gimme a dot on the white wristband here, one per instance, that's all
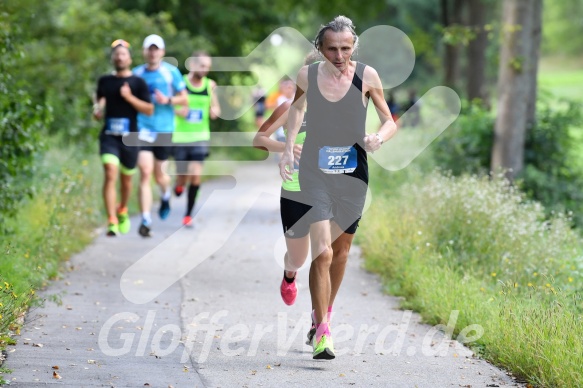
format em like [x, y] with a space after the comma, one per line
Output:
[379, 137]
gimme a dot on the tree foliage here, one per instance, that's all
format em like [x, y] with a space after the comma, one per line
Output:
[563, 28]
[21, 123]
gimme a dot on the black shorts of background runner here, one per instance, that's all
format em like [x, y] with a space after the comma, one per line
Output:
[189, 152]
[292, 211]
[127, 155]
[161, 148]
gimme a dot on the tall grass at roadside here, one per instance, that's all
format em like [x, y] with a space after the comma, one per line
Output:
[47, 230]
[478, 246]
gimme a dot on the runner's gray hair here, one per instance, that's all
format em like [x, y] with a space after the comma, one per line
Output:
[339, 24]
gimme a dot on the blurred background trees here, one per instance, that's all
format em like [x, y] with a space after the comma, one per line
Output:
[53, 52]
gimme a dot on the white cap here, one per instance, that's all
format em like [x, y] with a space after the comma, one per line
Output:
[153, 40]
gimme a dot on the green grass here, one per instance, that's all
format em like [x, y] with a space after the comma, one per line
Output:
[479, 247]
[48, 229]
[563, 83]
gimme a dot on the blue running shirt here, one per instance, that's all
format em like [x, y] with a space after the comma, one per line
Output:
[168, 80]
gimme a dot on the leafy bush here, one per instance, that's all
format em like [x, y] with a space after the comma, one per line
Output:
[465, 147]
[21, 125]
[552, 174]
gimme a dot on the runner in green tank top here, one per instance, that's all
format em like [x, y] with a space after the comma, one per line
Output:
[192, 133]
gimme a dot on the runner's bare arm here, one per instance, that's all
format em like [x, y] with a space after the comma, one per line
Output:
[98, 108]
[215, 106]
[180, 98]
[294, 123]
[296, 111]
[373, 86]
[277, 119]
[141, 106]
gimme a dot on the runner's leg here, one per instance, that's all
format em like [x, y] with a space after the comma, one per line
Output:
[341, 247]
[195, 169]
[109, 190]
[320, 284]
[146, 166]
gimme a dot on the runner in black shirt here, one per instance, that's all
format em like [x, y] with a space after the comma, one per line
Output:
[120, 97]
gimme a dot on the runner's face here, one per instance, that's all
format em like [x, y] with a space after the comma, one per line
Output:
[202, 66]
[287, 88]
[121, 58]
[153, 55]
[337, 48]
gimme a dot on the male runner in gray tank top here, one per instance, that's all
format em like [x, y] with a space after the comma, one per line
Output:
[333, 167]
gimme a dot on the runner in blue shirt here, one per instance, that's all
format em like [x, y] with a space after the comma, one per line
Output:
[167, 88]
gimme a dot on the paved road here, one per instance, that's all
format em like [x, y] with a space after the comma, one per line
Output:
[201, 308]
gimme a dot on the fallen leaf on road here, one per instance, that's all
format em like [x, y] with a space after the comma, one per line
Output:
[278, 364]
[69, 307]
[91, 361]
[38, 345]
[268, 367]
[253, 372]
[342, 375]
[56, 367]
[56, 375]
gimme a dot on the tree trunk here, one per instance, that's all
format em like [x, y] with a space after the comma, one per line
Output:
[451, 59]
[536, 31]
[518, 58]
[476, 71]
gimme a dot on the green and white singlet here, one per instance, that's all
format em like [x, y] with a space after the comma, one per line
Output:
[196, 126]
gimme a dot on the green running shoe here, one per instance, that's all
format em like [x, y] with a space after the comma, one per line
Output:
[112, 230]
[124, 222]
[324, 349]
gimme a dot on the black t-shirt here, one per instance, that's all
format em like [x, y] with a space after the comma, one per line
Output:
[116, 107]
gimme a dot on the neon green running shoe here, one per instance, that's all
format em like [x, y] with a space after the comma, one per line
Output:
[112, 230]
[124, 222]
[324, 349]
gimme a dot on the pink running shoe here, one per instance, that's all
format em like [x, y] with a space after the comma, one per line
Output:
[289, 291]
